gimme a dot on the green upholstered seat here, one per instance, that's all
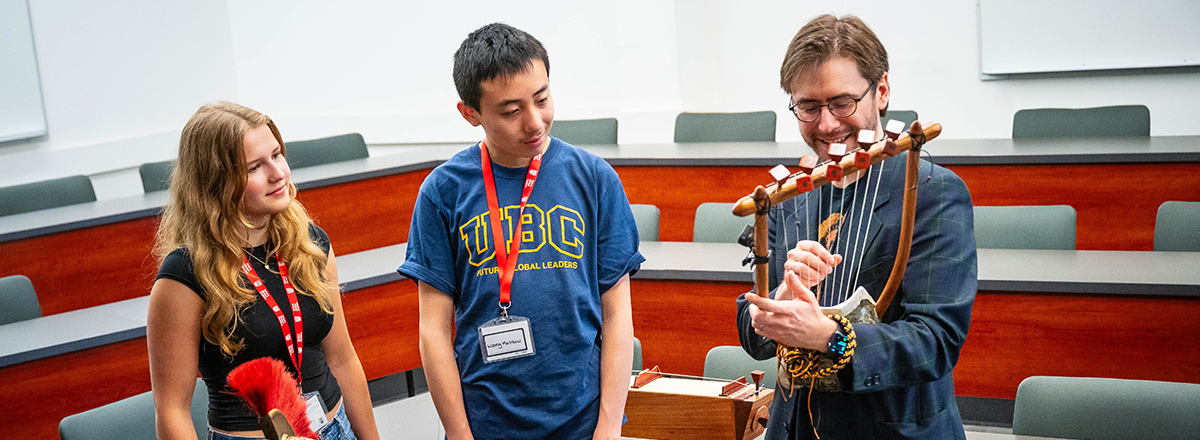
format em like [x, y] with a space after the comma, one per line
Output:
[637, 354]
[725, 127]
[715, 223]
[1120, 120]
[905, 116]
[46, 194]
[646, 217]
[1025, 227]
[322, 151]
[130, 419]
[156, 176]
[586, 131]
[731, 362]
[18, 300]
[1177, 227]
[1104, 409]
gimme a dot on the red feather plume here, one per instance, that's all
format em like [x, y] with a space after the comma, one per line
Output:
[266, 384]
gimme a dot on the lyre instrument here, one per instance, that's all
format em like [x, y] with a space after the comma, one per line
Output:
[860, 307]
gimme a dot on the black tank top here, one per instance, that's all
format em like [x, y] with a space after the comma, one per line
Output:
[260, 335]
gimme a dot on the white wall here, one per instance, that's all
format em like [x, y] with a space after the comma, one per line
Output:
[116, 71]
[136, 69]
[643, 62]
[384, 69]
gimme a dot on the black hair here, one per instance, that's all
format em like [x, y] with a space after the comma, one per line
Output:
[494, 50]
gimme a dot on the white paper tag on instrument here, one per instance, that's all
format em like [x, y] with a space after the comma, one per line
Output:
[895, 126]
[837, 150]
[866, 137]
[780, 172]
[505, 338]
[316, 411]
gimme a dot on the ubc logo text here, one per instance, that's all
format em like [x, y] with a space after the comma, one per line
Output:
[560, 227]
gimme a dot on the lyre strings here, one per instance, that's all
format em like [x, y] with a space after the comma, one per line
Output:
[843, 229]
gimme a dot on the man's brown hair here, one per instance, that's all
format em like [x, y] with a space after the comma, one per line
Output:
[826, 37]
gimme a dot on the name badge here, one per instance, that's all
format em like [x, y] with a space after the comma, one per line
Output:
[505, 338]
[316, 411]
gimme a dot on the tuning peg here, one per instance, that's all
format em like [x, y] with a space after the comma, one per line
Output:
[866, 137]
[894, 128]
[757, 375]
[833, 170]
[807, 163]
[837, 152]
[803, 183]
[780, 172]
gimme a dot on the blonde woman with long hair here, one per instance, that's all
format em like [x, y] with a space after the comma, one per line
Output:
[233, 218]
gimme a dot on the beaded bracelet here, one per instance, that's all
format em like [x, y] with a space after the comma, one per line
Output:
[802, 363]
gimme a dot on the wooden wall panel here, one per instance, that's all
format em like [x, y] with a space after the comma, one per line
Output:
[366, 214]
[1017, 335]
[36, 395]
[1115, 204]
[677, 191]
[383, 325]
[86, 267]
[679, 321]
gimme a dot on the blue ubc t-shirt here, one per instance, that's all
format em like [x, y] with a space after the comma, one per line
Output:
[578, 240]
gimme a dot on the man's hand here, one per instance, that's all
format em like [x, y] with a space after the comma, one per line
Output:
[792, 322]
[811, 261]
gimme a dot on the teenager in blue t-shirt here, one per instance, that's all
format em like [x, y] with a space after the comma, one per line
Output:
[565, 373]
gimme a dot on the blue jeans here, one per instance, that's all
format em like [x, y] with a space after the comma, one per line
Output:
[337, 429]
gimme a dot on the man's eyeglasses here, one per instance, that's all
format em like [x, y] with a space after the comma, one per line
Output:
[842, 107]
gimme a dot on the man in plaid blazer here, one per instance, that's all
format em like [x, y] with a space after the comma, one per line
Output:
[826, 243]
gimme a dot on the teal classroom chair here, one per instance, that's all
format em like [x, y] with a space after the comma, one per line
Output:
[1104, 409]
[586, 131]
[905, 116]
[46, 194]
[725, 127]
[130, 419]
[1177, 227]
[1025, 227]
[1114, 121]
[310, 153]
[156, 176]
[18, 300]
[646, 218]
[715, 223]
[731, 362]
[637, 354]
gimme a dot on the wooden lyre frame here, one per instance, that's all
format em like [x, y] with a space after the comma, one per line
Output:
[759, 202]
[670, 406]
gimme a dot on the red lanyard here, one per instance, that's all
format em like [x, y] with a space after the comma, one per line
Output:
[296, 350]
[504, 265]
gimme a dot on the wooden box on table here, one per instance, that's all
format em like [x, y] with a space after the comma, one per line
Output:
[694, 408]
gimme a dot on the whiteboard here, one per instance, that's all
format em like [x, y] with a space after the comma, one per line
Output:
[1035, 36]
[22, 114]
